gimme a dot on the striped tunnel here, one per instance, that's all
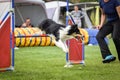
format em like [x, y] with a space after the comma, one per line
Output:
[23, 38]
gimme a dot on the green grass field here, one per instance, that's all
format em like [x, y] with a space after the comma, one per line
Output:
[46, 63]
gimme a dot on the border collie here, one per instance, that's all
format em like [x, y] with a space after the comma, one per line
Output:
[61, 33]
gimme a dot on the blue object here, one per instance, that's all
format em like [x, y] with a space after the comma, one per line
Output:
[109, 57]
[92, 36]
[12, 34]
[67, 9]
[67, 57]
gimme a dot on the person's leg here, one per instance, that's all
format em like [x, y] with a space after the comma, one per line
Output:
[116, 37]
[103, 32]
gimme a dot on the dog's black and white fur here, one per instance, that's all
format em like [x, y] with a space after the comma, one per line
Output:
[60, 32]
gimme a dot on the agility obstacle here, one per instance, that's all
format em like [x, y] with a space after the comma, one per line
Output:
[76, 51]
[76, 46]
[25, 37]
[7, 39]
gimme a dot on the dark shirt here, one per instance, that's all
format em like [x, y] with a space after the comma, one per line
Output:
[109, 9]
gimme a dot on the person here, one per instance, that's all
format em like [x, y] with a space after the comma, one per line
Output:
[77, 15]
[110, 12]
[27, 24]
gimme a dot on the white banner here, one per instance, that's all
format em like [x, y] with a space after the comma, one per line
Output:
[4, 8]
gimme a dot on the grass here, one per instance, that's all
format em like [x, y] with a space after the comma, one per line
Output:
[46, 63]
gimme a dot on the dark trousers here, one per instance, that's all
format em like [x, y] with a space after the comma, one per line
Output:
[109, 27]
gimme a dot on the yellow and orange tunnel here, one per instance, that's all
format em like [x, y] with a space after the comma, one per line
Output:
[29, 40]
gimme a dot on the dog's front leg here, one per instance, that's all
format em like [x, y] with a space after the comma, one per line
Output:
[61, 45]
[65, 46]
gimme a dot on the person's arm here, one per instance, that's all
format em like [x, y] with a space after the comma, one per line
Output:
[118, 11]
[82, 14]
[103, 18]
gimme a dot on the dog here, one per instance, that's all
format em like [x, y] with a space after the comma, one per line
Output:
[60, 32]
